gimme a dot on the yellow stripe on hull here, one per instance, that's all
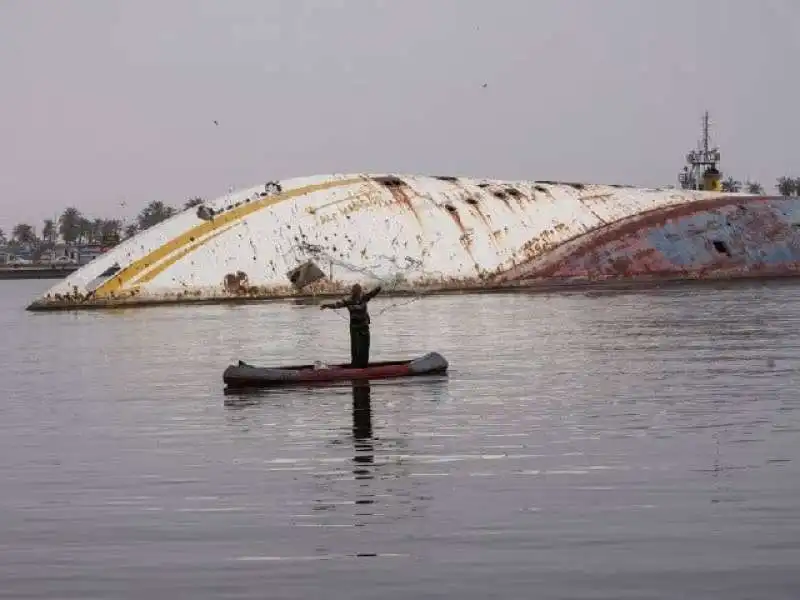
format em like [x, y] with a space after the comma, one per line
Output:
[185, 243]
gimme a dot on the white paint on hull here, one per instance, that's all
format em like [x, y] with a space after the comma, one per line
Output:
[426, 230]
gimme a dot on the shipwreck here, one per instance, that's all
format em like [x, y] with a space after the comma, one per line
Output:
[315, 236]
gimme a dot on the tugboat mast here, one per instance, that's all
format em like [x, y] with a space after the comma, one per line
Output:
[701, 171]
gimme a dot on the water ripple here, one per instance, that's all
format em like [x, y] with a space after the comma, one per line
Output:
[610, 445]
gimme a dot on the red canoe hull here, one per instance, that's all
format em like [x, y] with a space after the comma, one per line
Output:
[246, 376]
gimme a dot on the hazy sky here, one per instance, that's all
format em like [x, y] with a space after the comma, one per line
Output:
[106, 101]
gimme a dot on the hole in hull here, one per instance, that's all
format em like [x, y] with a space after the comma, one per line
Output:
[721, 247]
[389, 181]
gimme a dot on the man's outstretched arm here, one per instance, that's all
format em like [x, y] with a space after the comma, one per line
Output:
[372, 293]
[338, 304]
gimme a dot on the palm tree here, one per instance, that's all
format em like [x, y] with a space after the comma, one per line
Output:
[787, 186]
[154, 213]
[23, 234]
[110, 230]
[49, 231]
[731, 185]
[753, 187]
[69, 225]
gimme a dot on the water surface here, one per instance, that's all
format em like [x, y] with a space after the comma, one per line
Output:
[583, 446]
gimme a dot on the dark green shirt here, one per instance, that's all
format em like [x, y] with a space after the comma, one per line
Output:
[359, 316]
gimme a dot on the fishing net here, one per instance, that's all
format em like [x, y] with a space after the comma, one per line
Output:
[396, 271]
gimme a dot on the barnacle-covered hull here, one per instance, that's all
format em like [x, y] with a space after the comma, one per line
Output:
[316, 236]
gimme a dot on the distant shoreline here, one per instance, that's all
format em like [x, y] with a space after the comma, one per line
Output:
[36, 271]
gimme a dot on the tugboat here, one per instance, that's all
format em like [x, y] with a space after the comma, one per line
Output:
[701, 171]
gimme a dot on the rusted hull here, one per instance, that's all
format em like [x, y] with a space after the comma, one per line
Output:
[314, 238]
[719, 238]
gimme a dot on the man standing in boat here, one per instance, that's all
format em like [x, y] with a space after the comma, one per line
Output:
[356, 304]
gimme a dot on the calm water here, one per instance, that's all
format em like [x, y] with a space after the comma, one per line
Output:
[614, 446]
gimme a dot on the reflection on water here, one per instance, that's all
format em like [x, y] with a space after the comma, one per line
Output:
[637, 445]
[375, 483]
[362, 443]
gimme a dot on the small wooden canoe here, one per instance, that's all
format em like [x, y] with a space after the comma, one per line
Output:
[244, 375]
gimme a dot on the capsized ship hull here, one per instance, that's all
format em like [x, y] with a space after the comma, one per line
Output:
[316, 236]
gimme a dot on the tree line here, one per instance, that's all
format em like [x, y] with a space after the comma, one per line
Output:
[786, 186]
[73, 227]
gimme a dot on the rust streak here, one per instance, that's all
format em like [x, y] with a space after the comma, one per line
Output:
[453, 212]
[596, 198]
[400, 194]
[475, 208]
[504, 199]
[464, 238]
[520, 197]
[653, 218]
